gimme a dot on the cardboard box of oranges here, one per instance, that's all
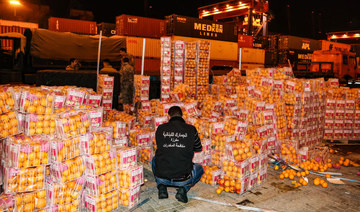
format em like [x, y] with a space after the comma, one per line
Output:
[101, 163]
[36, 101]
[33, 201]
[24, 179]
[9, 124]
[23, 151]
[129, 197]
[104, 202]
[126, 157]
[71, 124]
[64, 194]
[96, 142]
[131, 177]
[68, 170]
[7, 101]
[62, 150]
[102, 184]
[40, 124]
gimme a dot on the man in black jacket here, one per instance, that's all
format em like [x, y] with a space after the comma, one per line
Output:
[172, 164]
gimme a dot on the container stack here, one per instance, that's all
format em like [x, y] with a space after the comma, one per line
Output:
[142, 87]
[202, 71]
[190, 67]
[165, 68]
[178, 63]
[342, 117]
[106, 89]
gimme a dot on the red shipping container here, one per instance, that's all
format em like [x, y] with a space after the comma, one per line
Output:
[245, 41]
[128, 25]
[71, 25]
[13, 27]
[151, 66]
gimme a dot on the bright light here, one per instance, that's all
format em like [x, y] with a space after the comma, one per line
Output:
[357, 35]
[344, 35]
[239, 2]
[15, 2]
[215, 9]
[334, 36]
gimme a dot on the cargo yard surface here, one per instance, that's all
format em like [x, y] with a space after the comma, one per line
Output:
[275, 194]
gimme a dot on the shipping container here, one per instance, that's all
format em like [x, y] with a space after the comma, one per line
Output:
[251, 55]
[13, 26]
[219, 50]
[108, 29]
[71, 25]
[245, 66]
[298, 43]
[245, 41]
[200, 28]
[325, 45]
[151, 66]
[134, 46]
[128, 25]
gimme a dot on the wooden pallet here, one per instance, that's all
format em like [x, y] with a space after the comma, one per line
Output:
[343, 142]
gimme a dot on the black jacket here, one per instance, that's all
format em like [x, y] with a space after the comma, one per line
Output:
[176, 143]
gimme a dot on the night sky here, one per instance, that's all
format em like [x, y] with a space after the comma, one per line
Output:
[309, 18]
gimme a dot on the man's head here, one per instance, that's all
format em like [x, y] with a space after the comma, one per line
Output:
[175, 111]
[126, 60]
[106, 62]
[122, 51]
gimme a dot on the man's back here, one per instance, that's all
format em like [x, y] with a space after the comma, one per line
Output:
[126, 83]
[176, 142]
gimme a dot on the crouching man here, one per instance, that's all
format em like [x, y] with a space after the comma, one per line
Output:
[172, 164]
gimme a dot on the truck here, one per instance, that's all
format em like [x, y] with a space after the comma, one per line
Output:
[341, 63]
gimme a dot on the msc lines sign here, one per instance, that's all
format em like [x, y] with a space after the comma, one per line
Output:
[200, 28]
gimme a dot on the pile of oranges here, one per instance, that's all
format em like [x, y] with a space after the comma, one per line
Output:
[321, 182]
[96, 142]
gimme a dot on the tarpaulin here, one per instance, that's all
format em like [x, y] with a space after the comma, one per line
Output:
[47, 44]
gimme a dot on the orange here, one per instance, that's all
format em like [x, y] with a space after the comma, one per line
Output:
[291, 176]
[324, 184]
[303, 174]
[218, 191]
[304, 183]
[227, 183]
[298, 174]
[286, 175]
[328, 176]
[281, 176]
[316, 181]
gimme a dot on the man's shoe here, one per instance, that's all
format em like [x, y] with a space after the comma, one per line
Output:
[163, 194]
[181, 195]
